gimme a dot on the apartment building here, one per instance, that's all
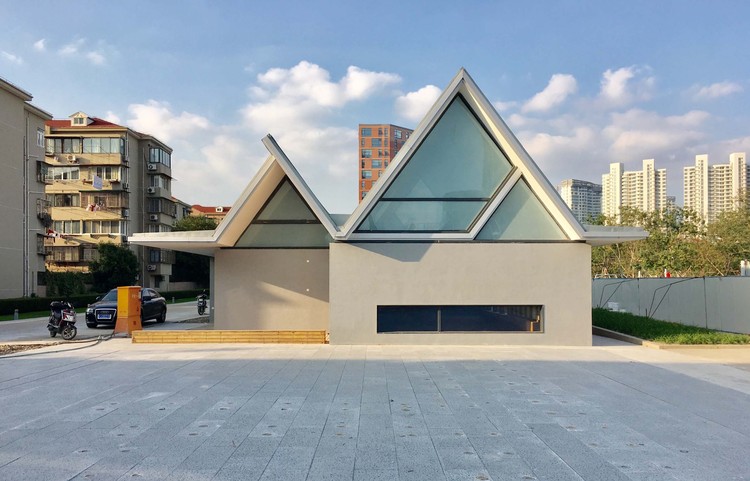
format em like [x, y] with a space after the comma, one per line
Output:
[710, 190]
[645, 189]
[22, 211]
[582, 197]
[105, 182]
[378, 145]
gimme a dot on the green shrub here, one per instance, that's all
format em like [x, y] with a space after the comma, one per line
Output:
[65, 284]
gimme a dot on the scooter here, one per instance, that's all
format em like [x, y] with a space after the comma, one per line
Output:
[202, 303]
[62, 320]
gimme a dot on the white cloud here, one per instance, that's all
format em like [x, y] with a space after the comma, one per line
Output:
[504, 106]
[359, 84]
[11, 57]
[299, 107]
[716, 90]
[641, 133]
[156, 118]
[307, 82]
[97, 58]
[78, 49]
[112, 117]
[544, 144]
[625, 85]
[558, 89]
[39, 45]
[72, 48]
[302, 106]
[414, 105]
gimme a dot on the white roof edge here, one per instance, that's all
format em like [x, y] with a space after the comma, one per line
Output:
[515, 176]
[299, 183]
[561, 213]
[246, 194]
[424, 127]
[488, 116]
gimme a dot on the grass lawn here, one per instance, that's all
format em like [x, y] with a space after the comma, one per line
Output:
[662, 331]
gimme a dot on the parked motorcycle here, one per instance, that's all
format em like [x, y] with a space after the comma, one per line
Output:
[62, 320]
[202, 303]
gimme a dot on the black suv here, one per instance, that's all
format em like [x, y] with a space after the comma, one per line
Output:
[104, 310]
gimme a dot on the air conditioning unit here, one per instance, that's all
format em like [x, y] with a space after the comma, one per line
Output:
[126, 212]
[151, 166]
[72, 158]
[151, 267]
[151, 190]
[153, 217]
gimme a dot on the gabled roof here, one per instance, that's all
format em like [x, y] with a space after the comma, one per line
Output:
[515, 200]
[276, 167]
[210, 209]
[523, 167]
[96, 123]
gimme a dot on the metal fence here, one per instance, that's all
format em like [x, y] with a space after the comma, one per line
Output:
[721, 303]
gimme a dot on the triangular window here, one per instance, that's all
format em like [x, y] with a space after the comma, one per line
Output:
[521, 216]
[285, 221]
[447, 182]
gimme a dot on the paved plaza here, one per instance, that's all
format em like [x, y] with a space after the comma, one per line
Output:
[119, 411]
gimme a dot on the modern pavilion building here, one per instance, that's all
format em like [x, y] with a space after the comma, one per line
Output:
[460, 242]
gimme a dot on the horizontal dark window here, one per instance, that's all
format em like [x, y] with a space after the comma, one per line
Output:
[407, 318]
[459, 318]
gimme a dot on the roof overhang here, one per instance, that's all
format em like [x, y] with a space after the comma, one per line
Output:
[597, 235]
[196, 242]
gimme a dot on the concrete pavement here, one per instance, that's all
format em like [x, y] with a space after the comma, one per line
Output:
[118, 411]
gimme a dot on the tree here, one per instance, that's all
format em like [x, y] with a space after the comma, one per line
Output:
[674, 243]
[730, 240]
[117, 266]
[189, 267]
[195, 222]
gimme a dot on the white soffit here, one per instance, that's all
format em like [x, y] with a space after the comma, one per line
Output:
[524, 166]
[299, 183]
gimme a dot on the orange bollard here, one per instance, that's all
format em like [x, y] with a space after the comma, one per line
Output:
[128, 310]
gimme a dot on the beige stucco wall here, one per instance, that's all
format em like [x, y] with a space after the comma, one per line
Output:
[19, 152]
[12, 131]
[273, 289]
[555, 275]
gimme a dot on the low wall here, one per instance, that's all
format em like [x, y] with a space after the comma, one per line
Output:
[194, 336]
[721, 303]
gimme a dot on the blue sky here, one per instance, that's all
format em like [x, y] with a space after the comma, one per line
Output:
[581, 83]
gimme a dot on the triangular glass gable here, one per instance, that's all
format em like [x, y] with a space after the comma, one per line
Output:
[521, 216]
[448, 180]
[285, 221]
[286, 204]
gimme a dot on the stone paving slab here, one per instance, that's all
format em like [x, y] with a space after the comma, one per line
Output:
[122, 411]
